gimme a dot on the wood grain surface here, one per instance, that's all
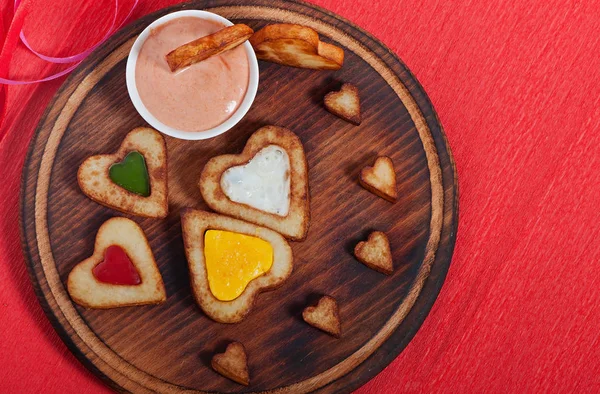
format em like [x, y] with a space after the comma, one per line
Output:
[168, 347]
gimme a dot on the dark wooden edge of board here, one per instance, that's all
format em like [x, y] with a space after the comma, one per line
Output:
[392, 347]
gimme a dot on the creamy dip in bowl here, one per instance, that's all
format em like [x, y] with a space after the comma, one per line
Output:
[200, 101]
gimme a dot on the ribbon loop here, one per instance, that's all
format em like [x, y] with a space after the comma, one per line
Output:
[15, 31]
[17, 26]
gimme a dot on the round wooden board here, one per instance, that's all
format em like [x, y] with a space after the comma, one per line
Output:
[167, 348]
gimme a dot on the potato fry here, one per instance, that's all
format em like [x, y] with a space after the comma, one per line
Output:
[296, 46]
[211, 45]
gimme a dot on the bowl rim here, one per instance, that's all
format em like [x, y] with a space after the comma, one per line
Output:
[134, 95]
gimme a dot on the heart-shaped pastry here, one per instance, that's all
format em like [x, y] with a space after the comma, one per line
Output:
[325, 316]
[120, 272]
[375, 253]
[256, 268]
[344, 103]
[132, 180]
[266, 184]
[233, 364]
[131, 174]
[380, 179]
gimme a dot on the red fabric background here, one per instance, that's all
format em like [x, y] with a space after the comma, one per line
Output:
[517, 87]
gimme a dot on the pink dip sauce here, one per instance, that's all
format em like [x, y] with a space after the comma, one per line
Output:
[198, 97]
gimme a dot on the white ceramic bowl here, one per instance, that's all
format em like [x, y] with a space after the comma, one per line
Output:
[183, 134]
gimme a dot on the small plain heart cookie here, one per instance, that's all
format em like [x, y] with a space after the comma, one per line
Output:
[324, 316]
[120, 272]
[233, 364]
[375, 253]
[344, 103]
[380, 179]
[267, 184]
[132, 180]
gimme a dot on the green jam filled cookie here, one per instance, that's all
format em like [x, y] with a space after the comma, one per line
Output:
[131, 174]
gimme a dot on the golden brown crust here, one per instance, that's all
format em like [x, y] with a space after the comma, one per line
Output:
[344, 103]
[233, 364]
[324, 316]
[194, 224]
[211, 45]
[295, 224]
[375, 253]
[331, 52]
[94, 181]
[296, 46]
[87, 291]
[380, 179]
[287, 31]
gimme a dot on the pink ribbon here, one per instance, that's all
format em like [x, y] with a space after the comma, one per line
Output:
[68, 59]
[15, 31]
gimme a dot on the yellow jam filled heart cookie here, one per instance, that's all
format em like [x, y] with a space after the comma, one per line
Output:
[231, 262]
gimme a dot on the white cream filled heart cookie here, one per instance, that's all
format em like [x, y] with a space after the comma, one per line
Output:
[267, 184]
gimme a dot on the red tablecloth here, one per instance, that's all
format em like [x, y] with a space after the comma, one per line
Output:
[516, 85]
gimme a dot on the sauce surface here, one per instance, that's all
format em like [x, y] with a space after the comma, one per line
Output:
[131, 174]
[198, 97]
[116, 268]
[233, 260]
[263, 183]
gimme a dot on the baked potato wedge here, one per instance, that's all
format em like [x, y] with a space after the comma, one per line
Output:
[211, 45]
[296, 46]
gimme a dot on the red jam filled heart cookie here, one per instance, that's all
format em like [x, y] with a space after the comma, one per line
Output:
[116, 268]
[121, 271]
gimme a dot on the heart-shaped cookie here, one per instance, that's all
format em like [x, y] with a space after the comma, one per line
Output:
[344, 103]
[195, 225]
[233, 364]
[380, 179]
[132, 180]
[375, 253]
[107, 279]
[131, 174]
[325, 316]
[253, 185]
